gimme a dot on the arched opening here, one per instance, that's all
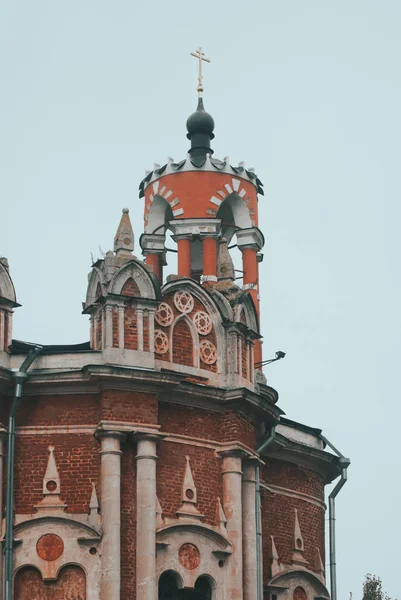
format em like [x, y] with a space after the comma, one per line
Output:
[71, 583]
[234, 215]
[169, 586]
[203, 588]
[299, 594]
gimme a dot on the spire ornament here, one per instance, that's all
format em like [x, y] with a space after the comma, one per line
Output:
[124, 238]
[200, 55]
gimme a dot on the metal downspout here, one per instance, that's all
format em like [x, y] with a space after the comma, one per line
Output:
[258, 510]
[344, 464]
[19, 377]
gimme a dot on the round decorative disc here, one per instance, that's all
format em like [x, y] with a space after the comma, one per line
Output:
[161, 342]
[183, 301]
[50, 547]
[203, 323]
[208, 352]
[164, 314]
[189, 556]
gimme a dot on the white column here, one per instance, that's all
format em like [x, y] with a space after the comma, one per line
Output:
[103, 342]
[139, 317]
[109, 326]
[95, 326]
[146, 588]
[2, 331]
[2, 442]
[121, 315]
[110, 473]
[151, 320]
[232, 504]
[249, 530]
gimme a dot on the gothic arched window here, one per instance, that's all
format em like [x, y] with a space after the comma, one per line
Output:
[299, 593]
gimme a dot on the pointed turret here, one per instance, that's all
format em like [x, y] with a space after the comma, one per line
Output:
[124, 238]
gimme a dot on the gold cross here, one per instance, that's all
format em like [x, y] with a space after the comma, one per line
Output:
[200, 55]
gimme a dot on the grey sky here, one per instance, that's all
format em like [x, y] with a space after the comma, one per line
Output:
[309, 93]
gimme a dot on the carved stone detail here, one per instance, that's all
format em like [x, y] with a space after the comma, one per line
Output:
[202, 322]
[208, 352]
[184, 302]
[164, 314]
[161, 342]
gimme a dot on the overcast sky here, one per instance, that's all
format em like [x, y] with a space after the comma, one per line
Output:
[306, 91]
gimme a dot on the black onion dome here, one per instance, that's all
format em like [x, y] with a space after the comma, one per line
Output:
[200, 127]
[200, 122]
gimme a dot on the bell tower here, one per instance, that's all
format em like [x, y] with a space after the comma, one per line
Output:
[209, 206]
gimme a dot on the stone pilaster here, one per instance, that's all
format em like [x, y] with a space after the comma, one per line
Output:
[110, 473]
[109, 326]
[121, 314]
[139, 316]
[146, 588]
[2, 445]
[232, 505]
[249, 529]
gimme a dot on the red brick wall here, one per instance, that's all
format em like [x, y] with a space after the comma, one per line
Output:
[185, 420]
[182, 344]
[235, 426]
[130, 288]
[229, 426]
[128, 522]
[115, 328]
[77, 459]
[278, 516]
[119, 405]
[130, 328]
[206, 470]
[289, 475]
[77, 409]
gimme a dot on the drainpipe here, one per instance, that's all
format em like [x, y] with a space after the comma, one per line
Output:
[19, 377]
[259, 556]
[344, 463]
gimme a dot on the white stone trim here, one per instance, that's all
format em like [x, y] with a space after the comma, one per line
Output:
[139, 321]
[110, 476]
[146, 586]
[276, 489]
[178, 212]
[215, 201]
[55, 429]
[121, 327]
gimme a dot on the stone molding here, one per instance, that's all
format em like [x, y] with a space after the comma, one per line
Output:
[276, 489]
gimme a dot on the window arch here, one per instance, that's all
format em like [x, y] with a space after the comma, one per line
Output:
[299, 594]
[169, 584]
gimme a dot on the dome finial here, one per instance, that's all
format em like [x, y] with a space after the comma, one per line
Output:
[200, 55]
[200, 124]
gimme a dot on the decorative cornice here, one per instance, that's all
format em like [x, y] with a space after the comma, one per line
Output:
[200, 164]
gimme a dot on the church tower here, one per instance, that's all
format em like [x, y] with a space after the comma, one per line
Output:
[153, 462]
